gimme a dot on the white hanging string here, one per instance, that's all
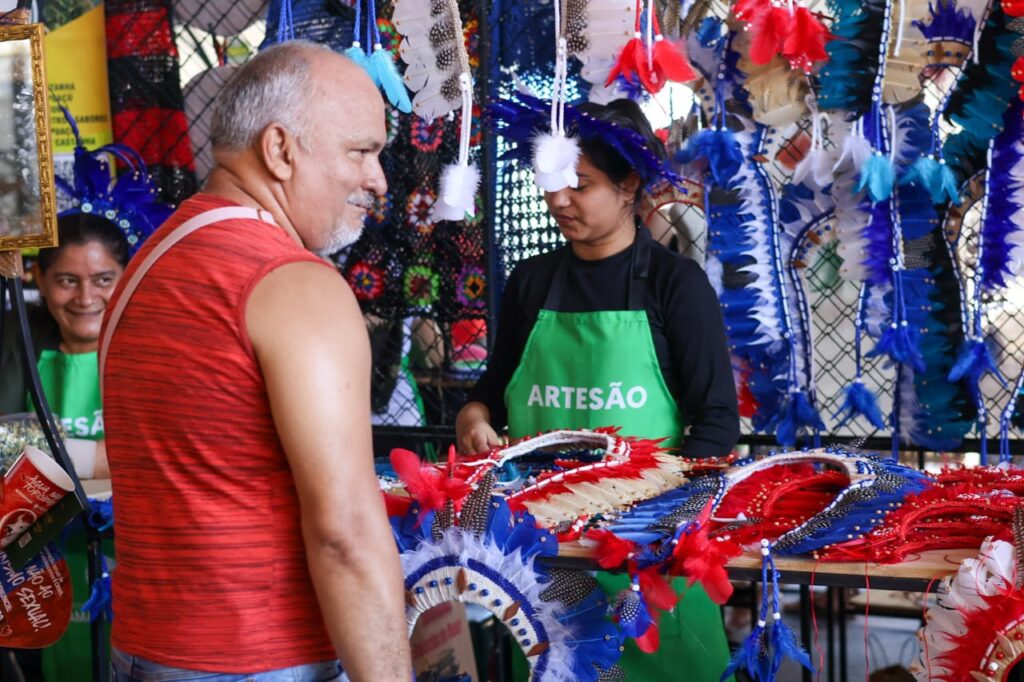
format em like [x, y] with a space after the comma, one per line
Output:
[899, 29]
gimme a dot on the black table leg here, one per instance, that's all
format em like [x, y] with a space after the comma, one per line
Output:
[805, 626]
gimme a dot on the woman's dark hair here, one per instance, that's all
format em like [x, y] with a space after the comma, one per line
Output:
[624, 113]
[82, 228]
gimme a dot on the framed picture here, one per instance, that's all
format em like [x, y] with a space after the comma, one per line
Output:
[27, 204]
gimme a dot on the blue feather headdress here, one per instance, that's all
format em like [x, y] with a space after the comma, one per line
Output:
[983, 93]
[948, 23]
[520, 120]
[130, 201]
[845, 81]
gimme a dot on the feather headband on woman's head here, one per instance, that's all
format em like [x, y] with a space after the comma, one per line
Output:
[521, 119]
[130, 201]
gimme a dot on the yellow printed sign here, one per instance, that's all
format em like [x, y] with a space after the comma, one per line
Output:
[76, 71]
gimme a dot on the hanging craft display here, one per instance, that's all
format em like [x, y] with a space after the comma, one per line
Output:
[368, 51]
[438, 71]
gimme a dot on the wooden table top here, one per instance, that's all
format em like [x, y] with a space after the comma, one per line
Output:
[913, 574]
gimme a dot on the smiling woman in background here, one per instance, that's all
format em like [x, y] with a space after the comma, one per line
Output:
[614, 329]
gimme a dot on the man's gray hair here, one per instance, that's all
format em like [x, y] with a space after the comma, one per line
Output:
[272, 87]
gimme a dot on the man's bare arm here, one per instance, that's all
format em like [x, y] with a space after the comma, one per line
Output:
[312, 346]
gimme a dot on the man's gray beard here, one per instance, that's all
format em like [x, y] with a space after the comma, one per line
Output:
[343, 235]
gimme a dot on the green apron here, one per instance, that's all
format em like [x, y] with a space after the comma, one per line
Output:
[71, 385]
[585, 370]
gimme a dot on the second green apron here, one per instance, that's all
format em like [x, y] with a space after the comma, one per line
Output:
[71, 384]
[586, 370]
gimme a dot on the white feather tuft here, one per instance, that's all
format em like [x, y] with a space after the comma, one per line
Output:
[457, 196]
[555, 158]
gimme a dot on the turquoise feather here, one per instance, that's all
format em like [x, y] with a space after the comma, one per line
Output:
[381, 66]
[877, 177]
[358, 55]
[936, 177]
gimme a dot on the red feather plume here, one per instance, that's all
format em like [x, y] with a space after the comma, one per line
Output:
[610, 550]
[805, 40]
[430, 485]
[668, 63]
[632, 62]
[769, 30]
[656, 589]
[650, 640]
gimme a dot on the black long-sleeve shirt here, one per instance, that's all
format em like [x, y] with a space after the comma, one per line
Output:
[686, 326]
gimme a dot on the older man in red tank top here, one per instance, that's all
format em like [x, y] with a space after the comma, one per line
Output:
[251, 537]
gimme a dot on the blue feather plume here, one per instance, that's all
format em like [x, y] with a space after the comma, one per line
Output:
[1003, 207]
[899, 341]
[973, 362]
[859, 401]
[797, 415]
[878, 177]
[785, 645]
[719, 148]
[633, 614]
[357, 54]
[381, 66]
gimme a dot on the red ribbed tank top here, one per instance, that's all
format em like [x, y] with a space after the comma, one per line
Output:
[211, 571]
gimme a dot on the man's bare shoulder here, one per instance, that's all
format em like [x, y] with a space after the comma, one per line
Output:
[301, 297]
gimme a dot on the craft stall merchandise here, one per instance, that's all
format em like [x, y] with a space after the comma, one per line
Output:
[487, 531]
[855, 173]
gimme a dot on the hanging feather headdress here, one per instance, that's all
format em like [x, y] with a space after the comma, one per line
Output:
[129, 201]
[438, 72]
[595, 31]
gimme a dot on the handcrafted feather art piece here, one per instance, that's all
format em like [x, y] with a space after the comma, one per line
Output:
[595, 33]
[788, 29]
[975, 630]
[859, 29]
[872, 484]
[744, 245]
[982, 95]
[648, 59]
[434, 51]
[778, 93]
[1002, 231]
[130, 201]
[488, 556]
[438, 72]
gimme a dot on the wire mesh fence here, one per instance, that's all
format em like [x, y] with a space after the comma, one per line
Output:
[428, 289]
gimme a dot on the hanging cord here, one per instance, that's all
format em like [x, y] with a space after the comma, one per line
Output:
[1005, 419]
[899, 29]
[357, 25]
[649, 37]
[371, 23]
[285, 23]
[976, 333]
[559, 82]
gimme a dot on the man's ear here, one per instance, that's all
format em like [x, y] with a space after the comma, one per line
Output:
[276, 147]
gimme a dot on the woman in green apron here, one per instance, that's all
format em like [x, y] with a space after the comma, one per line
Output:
[75, 281]
[614, 329]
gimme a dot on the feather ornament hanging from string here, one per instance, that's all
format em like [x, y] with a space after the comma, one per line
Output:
[438, 72]
[789, 29]
[595, 33]
[650, 59]
[379, 64]
[434, 51]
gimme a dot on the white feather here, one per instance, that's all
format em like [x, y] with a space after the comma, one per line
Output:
[426, 73]
[817, 164]
[607, 26]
